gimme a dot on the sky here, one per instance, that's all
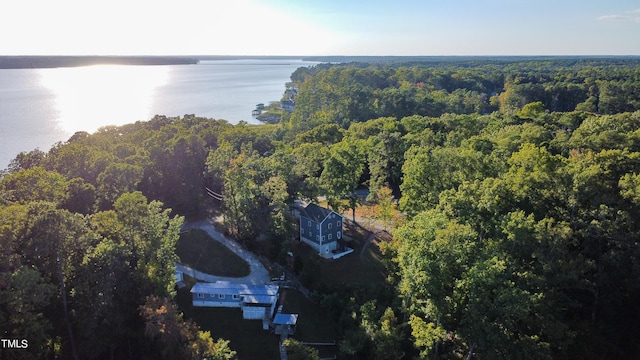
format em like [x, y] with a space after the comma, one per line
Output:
[320, 27]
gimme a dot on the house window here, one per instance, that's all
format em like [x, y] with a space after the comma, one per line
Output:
[330, 236]
[212, 295]
[339, 224]
[318, 226]
[318, 238]
[330, 226]
[236, 297]
[323, 238]
[220, 296]
[309, 222]
[338, 234]
[200, 295]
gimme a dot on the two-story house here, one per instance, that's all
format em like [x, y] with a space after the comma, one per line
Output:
[321, 228]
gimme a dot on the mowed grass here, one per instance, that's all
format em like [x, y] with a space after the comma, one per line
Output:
[358, 269]
[246, 336]
[314, 326]
[199, 251]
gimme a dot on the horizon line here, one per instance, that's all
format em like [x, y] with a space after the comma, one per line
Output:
[310, 55]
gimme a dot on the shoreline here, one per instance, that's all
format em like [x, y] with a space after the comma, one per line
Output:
[44, 62]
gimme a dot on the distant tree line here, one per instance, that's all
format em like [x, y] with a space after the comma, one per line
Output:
[37, 62]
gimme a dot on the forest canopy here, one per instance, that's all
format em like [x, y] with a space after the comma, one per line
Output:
[518, 181]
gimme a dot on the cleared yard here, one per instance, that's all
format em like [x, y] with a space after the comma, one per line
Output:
[360, 268]
[246, 336]
[199, 251]
[314, 326]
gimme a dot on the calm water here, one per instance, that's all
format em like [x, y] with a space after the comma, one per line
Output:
[39, 107]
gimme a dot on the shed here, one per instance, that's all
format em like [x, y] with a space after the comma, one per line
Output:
[285, 324]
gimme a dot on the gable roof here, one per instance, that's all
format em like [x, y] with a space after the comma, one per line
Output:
[316, 213]
[285, 319]
[259, 299]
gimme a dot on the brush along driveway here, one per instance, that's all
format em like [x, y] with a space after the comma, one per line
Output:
[257, 272]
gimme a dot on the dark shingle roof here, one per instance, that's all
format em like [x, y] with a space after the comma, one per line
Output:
[315, 212]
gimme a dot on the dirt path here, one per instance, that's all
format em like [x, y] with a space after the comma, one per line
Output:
[258, 273]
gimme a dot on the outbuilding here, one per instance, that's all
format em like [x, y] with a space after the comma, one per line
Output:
[256, 301]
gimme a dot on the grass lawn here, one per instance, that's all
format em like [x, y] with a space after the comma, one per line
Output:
[313, 324]
[246, 336]
[199, 251]
[358, 269]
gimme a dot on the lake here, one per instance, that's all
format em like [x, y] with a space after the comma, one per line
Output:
[39, 107]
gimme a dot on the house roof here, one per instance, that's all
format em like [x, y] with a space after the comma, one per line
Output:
[285, 319]
[259, 299]
[227, 288]
[316, 213]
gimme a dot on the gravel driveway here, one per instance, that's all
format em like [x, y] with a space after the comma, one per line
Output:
[258, 274]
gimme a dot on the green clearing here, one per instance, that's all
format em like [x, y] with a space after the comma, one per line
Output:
[199, 251]
[358, 269]
[313, 324]
[246, 336]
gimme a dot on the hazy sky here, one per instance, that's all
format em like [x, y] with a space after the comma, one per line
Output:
[322, 27]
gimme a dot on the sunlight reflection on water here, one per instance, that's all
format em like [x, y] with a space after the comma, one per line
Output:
[90, 97]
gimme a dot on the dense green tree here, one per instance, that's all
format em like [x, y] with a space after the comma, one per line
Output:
[326, 134]
[27, 160]
[298, 351]
[115, 180]
[33, 184]
[427, 172]
[455, 284]
[81, 197]
[177, 338]
[23, 300]
[176, 173]
[342, 174]
[78, 159]
[103, 277]
[385, 159]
